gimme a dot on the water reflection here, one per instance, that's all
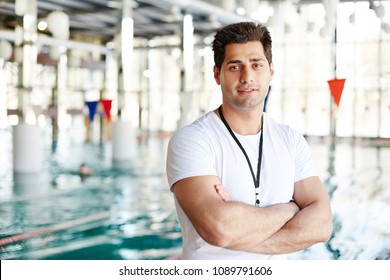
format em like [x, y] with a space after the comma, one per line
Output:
[358, 182]
[30, 183]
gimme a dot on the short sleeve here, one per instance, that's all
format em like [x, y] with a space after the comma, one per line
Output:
[189, 154]
[304, 163]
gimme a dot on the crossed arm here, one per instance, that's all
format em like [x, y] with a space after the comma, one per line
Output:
[277, 229]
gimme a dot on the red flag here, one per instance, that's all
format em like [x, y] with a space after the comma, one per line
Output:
[107, 107]
[336, 89]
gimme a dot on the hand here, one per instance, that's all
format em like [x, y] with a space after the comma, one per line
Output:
[295, 207]
[222, 192]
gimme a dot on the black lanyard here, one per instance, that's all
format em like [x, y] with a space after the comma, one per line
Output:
[256, 179]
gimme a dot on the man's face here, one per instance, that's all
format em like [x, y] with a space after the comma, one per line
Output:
[245, 75]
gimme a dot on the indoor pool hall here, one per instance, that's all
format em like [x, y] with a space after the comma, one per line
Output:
[104, 102]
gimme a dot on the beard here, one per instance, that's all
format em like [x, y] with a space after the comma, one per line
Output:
[248, 102]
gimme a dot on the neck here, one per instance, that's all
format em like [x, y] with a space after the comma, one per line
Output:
[243, 122]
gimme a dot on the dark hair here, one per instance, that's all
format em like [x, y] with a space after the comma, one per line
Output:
[241, 32]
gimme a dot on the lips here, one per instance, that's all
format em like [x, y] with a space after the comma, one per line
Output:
[246, 90]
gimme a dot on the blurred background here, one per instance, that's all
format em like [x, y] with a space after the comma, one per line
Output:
[105, 83]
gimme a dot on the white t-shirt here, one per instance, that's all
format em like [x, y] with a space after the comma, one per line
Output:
[205, 147]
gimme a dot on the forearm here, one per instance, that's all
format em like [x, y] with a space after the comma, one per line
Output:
[247, 227]
[311, 225]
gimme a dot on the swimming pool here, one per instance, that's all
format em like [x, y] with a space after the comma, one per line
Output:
[125, 210]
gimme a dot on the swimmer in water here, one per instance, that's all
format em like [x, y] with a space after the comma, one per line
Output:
[85, 170]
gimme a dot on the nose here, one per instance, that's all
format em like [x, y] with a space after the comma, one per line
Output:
[246, 76]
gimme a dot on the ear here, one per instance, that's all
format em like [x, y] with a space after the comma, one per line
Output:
[216, 75]
[271, 68]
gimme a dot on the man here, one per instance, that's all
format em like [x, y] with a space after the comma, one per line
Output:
[244, 186]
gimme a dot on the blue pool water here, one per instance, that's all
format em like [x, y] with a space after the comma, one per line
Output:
[126, 211]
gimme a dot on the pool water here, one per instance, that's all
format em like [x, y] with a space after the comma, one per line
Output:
[125, 211]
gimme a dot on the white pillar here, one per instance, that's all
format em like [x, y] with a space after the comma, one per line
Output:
[28, 148]
[123, 131]
[188, 108]
[3, 96]
[123, 140]
[27, 139]
[127, 44]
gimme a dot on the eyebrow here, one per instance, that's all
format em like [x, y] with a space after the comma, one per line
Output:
[237, 61]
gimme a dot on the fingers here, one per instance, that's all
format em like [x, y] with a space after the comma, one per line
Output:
[295, 207]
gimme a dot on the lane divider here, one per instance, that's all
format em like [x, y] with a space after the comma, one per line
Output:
[65, 225]
[69, 224]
